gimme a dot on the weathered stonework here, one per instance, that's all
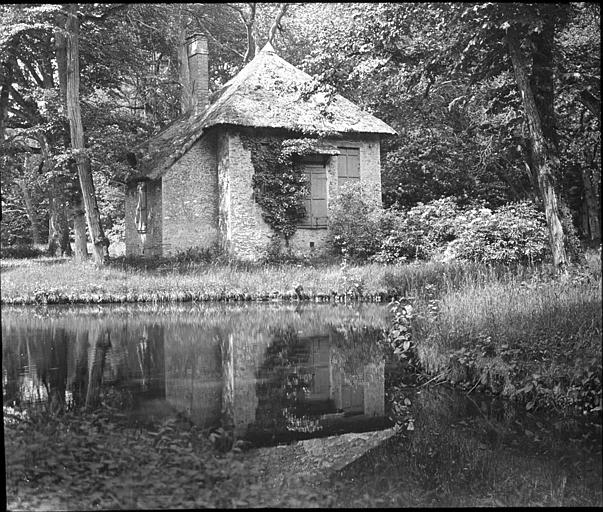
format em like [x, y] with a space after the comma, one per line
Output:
[247, 235]
[207, 197]
[190, 199]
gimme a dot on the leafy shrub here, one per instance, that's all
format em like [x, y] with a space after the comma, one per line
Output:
[419, 232]
[514, 233]
[357, 222]
[20, 252]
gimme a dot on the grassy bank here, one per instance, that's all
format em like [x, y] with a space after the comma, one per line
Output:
[57, 281]
[535, 340]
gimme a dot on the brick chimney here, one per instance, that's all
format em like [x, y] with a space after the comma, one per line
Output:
[199, 70]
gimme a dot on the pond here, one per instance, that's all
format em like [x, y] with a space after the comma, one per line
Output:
[268, 373]
[277, 373]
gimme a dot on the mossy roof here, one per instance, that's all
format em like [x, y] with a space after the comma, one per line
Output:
[267, 93]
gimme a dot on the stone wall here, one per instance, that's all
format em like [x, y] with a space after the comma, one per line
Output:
[144, 244]
[190, 199]
[244, 232]
[207, 197]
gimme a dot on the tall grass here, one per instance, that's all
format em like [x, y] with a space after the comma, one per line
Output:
[509, 334]
[60, 280]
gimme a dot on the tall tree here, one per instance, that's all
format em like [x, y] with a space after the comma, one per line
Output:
[78, 213]
[99, 241]
[544, 159]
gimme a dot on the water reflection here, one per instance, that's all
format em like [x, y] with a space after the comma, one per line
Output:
[266, 372]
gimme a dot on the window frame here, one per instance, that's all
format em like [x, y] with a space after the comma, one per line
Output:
[342, 180]
[141, 216]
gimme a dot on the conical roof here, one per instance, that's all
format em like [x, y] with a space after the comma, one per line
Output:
[267, 93]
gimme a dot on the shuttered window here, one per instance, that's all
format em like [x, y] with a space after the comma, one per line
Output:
[141, 208]
[316, 201]
[348, 166]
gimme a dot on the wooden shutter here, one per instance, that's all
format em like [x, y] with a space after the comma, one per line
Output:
[316, 202]
[348, 165]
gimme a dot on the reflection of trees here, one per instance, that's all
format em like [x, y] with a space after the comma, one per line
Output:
[228, 391]
[71, 365]
[96, 365]
[52, 370]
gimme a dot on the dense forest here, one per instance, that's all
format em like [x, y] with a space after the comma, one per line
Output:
[493, 103]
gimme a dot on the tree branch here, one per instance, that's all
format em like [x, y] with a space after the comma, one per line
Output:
[22, 115]
[22, 103]
[277, 22]
[218, 43]
[592, 103]
[32, 72]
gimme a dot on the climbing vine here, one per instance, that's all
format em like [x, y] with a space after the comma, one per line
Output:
[279, 185]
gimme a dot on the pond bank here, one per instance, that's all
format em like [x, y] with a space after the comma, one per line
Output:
[58, 281]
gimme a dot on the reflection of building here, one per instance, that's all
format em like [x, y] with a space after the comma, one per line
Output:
[272, 370]
[247, 380]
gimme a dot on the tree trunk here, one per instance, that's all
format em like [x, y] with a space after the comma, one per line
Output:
[186, 91]
[544, 164]
[7, 82]
[58, 227]
[101, 342]
[250, 26]
[53, 229]
[99, 242]
[592, 211]
[31, 212]
[592, 201]
[543, 87]
[542, 83]
[78, 212]
[79, 229]
[277, 22]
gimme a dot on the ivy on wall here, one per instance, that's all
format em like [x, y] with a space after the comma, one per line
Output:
[279, 184]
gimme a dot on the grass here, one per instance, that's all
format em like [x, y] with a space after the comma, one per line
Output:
[59, 280]
[535, 339]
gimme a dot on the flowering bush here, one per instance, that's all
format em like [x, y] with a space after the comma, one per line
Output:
[513, 233]
[440, 229]
[419, 232]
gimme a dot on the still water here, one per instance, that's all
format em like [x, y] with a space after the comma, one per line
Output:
[269, 373]
[273, 373]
